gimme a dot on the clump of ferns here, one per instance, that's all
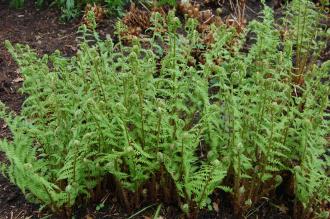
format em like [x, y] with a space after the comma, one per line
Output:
[310, 91]
[301, 26]
[64, 147]
[258, 113]
[165, 129]
[249, 87]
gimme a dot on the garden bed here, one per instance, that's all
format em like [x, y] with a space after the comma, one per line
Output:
[43, 31]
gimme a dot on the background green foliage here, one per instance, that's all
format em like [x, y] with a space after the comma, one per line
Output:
[155, 123]
[72, 8]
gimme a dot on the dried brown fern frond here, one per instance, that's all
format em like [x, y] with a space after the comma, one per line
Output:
[98, 12]
[137, 18]
[205, 17]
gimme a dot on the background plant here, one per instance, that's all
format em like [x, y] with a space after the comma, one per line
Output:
[73, 8]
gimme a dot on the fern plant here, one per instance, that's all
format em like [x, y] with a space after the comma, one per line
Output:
[302, 27]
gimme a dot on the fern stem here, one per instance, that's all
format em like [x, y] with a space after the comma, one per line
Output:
[75, 162]
[269, 147]
[298, 34]
[158, 130]
[100, 132]
[141, 98]
[300, 68]
[209, 177]
[50, 197]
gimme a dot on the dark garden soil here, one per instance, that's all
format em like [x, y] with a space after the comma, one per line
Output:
[43, 31]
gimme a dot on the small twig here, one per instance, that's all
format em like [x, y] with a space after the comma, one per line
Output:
[145, 7]
[250, 9]
[235, 19]
[295, 91]
[251, 212]
[105, 198]
[65, 36]
[208, 19]
[139, 212]
[19, 214]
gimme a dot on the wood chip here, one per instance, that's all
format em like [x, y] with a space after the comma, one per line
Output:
[17, 80]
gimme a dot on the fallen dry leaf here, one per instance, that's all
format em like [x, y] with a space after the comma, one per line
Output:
[282, 208]
[215, 207]
[17, 80]
[88, 217]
